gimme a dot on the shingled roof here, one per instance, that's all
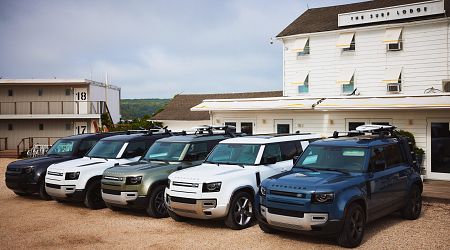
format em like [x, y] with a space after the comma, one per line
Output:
[326, 18]
[179, 108]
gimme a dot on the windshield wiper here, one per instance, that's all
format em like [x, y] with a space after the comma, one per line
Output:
[336, 170]
[307, 168]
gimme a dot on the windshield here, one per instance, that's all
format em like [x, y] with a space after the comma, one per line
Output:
[234, 154]
[106, 149]
[165, 151]
[337, 158]
[62, 147]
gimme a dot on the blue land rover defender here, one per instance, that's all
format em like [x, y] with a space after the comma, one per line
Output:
[339, 184]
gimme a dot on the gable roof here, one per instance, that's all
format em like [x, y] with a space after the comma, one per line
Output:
[326, 18]
[179, 108]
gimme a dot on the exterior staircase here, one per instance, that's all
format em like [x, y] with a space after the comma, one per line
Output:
[9, 154]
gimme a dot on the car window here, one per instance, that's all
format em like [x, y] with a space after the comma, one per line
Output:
[134, 149]
[62, 147]
[376, 157]
[393, 155]
[234, 153]
[197, 152]
[272, 150]
[290, 149]
[85, 146]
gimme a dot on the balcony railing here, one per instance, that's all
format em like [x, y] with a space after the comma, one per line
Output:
[52, 107]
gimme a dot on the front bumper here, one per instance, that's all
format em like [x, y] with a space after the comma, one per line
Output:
[21, 183]
[119, 197]
[196, 208]
[64, 192]
[311, 223]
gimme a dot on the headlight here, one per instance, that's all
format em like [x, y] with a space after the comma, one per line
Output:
[133, 180]
[263, 191]
[322, 197]
[211, 187]
[72, 175]
[28, 170]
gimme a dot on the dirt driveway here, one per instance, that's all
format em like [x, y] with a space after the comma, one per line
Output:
[32, 223]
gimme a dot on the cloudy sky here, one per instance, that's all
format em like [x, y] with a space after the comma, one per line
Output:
[152, 49]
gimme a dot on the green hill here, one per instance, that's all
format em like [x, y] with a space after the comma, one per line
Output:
[136, 108]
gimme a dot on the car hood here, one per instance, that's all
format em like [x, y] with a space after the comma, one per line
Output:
[139, 168]
[208, 172]
[40, 161]
[79, 164]
[305, 179]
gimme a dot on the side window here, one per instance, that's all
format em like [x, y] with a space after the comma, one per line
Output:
[85, 146]
[393, 155]
[134, 149]
[377, 160]
[272, 150]
[289, 149]
[197, 152]
[211, 145]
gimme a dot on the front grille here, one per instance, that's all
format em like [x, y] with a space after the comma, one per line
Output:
[14, 170]
[183, 200]
[109, 191]
[290, 194]
[184, 184]
[52, 185]
[54, 173]
[285, 212]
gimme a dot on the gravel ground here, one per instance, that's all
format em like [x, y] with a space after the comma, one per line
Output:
[33, 223]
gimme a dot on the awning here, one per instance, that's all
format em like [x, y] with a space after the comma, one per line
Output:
[392, 75]
[345, 76]
[388, 102]
[345, 40]
[300, 44]
[392, 35]
[300, 78]
[256, 104]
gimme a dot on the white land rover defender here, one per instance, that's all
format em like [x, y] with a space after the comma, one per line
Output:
[224, 186]
[80, 179]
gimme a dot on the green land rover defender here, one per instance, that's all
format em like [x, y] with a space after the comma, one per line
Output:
[141, 185]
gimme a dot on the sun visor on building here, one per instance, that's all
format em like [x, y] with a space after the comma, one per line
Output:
[345, 76]
[300, 44]
[300, 78]
[392, 75]
[392, 35]
[345, 40]
[386, 102]
[256, 104]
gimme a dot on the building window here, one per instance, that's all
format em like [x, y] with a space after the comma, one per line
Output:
[346, 41]
[348, 88]
[10, 92]
[304, 88]
[10, 127]
[305, 50]
[40, 92]
[68, 126]
[446, 87]
[352, 46]
[41, 126]
[393, 79]
[393, 39]
[67, 91]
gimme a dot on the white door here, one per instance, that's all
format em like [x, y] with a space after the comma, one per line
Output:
[80, 128]
[352, 124]
[438, 149]
[80, 97]
[283, 126]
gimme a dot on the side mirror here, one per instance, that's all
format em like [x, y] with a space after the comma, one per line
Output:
[270, 160]
[294, 160]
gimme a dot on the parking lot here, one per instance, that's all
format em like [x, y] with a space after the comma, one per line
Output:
[27, 222]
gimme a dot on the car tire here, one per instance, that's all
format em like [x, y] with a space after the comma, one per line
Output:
[413, 206]
[112, 207]
[93, 196]
[42, 193]
[240, 214]
[266, 228]
[156, 206]
[353, 229]
[21, 193]
[175, 216]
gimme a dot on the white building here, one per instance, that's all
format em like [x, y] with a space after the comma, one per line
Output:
[43, 110]
[370, 62]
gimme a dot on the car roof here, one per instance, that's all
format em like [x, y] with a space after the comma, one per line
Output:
[355, 141]
[266, 139]
[85, 136]
[134, 137]
[194, 138]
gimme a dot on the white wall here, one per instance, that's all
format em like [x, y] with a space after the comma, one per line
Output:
[424, 58]
[98, 93]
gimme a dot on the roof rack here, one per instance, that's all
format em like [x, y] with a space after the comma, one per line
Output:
[229, 130]
[380, 130]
